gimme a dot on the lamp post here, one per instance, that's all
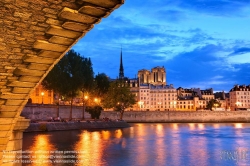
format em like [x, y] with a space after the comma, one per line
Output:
[175, 103]
[237, 105]
[216, 104]
[140, 103]
[84, 103]
[159, 106]
[42, 97]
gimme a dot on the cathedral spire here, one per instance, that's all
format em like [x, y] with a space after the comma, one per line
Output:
[121, 70]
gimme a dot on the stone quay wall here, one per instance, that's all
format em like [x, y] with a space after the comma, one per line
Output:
[58, 126]
[45, 112]
[180, 116]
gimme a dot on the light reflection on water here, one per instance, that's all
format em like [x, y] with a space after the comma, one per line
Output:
[148, 144]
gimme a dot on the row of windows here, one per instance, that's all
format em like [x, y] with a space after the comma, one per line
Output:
[208, 98]
[159, 91]
[244, 89]
[147, 98]
[187, 107]
[162, 103]
[241, 105]
[184, 107]
[241, 101]
[244, 97]
[158, 95]
[190, 102]
[163, 91]
[243, 93]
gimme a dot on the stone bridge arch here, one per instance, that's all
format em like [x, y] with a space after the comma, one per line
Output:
[35, 35]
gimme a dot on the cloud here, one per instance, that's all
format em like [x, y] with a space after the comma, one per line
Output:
[205, 67]
[241, 58]
[170, 15]
[241, 50]
[186, 36]
[216, 7]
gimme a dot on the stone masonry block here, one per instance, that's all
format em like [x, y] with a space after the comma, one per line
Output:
[49, 54]
[21, 84]
[58, 31]
[27, 72]
[51, 16]
[23, 15]
[61, 40]
[37, 66]
[21, 90]
[52, 21]
[12, 96]
[37, 28]
[29, 79]
[22, 3]
[73, 15]
[14, 145]
[49, 10]
[14, 102]
[4, 141]
[43, 45]
[37, 59]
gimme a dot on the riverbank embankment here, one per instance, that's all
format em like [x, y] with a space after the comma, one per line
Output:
[45, 112]
[181, 116]
[87, 125]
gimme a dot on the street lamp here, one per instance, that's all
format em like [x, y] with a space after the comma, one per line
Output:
[42, 96]
[237, 105]
[97, 101]
[216, 105]
[84, 103]
[140, 103]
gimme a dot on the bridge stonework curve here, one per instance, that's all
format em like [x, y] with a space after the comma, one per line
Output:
[35, 35]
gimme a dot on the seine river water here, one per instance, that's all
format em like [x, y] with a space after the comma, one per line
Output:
[143, 144]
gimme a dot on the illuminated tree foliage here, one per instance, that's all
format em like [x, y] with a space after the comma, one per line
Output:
[213, 103]
[119, 97]
[69, 76]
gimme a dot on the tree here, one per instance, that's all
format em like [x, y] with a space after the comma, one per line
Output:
[69, 76]
[101, 84]
[88, 83]
[94, 111]
[213, 103]
[119, 97]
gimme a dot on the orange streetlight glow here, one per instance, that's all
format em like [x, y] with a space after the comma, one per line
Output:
[42, 96]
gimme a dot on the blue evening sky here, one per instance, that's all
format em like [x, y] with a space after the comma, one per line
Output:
[201, 43]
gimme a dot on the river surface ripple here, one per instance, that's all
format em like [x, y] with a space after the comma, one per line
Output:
[143, 144]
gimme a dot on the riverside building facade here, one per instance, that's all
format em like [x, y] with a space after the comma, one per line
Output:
[240, 98]
[193, 99]
[157, 97]
[153, 92]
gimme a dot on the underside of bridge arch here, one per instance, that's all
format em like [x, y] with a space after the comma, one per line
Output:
[35, 35]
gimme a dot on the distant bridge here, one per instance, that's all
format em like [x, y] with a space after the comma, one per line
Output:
[35, 35]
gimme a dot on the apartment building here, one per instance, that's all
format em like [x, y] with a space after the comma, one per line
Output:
[193, 99]
[157, 97]
[240, 97]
